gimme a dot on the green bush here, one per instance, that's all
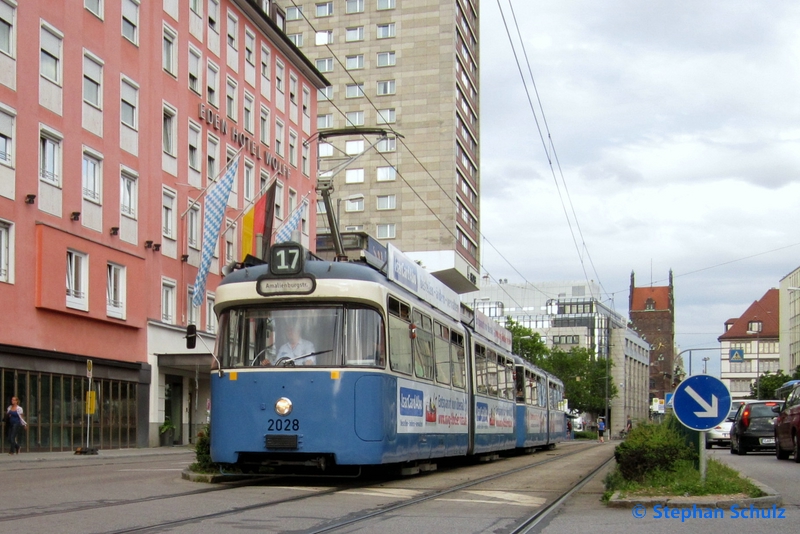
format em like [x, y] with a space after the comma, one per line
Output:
[650, 447]
[202, 451]
[583, 434]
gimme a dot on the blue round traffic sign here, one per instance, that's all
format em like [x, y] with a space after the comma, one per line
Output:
[701, 402]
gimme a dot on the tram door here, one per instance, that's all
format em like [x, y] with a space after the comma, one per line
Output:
[173, 404]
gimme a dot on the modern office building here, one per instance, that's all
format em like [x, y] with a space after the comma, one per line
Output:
[411, 68]
[568, 315]
[114, 118]
[789, 309]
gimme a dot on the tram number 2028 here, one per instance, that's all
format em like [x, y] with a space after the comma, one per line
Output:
[283, 425]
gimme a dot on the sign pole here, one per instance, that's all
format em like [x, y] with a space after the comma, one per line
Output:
[702, 443]
[88, 400]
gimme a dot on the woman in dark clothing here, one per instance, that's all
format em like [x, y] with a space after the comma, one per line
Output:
[15, 424]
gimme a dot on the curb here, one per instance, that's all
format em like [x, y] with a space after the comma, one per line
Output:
[771, 498]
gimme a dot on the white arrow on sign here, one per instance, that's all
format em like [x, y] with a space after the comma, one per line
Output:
[711, 410]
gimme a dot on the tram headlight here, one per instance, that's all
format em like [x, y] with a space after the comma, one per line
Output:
[283, 406]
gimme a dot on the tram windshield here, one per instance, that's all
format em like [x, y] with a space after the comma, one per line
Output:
[293, 337]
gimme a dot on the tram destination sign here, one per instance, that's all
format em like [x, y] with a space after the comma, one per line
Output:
[285, 286]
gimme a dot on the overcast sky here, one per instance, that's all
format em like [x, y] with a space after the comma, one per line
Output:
[677, 129]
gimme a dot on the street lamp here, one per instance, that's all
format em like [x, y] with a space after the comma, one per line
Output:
[755, 328]
[705, 364]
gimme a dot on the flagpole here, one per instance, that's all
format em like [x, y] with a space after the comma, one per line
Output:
[214, 181]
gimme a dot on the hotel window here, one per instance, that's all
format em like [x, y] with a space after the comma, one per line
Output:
[293, 89]
[77, 280]
[296, 39]
[279, 72]
[130, 20]
[194, 5]
[265, 65]
[169, 128]
[115, 290]
[325, 150]
[194, 146]
[354, 176]
[325, 121]
[351, 148]
[50, 66]
[306, 102]
[6, 28]
[192, 311]
[279, 138]
[354, 91]
[264, 125]
[386, 4]
[250, 47]
[354, 6]
[168, 213]
[230, 99]
[279, 201]
[91, 177]
[386, 231]
[354, 204]
[325, 64]
[292, 148]
[354, 34]
[213, 15]
[169, 52]
[168, 301]
[386, 116]
[233, 31]
[355, 118]
[306, 162]
[92, 81]
[129, 102]
[387, 174]
[94, 6]
[211, 318]
[6, 137]
[354, 62]
[386, 87]
[386, 59]
[5, 251]
[249, 181]
[325, 9]
[387, 145]
[387, 202]
[294, 13]
[128, 194]
[386, 31]
[195, 60]
[50, 158]
[248, 120]
[211, 158]
[193, 226]
[326, 93]
[230, 241]
[324, 37]
[213, 84]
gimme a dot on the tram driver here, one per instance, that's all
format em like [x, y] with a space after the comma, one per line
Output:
[300, 350]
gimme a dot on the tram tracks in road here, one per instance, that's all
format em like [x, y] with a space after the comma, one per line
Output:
[418, 497]
[353, 519]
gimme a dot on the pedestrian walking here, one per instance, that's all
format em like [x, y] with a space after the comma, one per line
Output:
[16, 423]
[601, 429]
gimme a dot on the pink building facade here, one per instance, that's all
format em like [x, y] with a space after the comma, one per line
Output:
[114, 118]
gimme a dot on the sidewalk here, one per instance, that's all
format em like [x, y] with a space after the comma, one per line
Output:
[7, 460]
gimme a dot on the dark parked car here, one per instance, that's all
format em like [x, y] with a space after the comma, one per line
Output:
[753, 427]
[787, 427]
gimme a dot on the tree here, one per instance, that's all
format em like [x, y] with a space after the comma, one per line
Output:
[769, 382]
[584, 378]
[526, 343]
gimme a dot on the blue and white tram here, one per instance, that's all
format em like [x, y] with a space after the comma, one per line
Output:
[387, 371]
[540, 421]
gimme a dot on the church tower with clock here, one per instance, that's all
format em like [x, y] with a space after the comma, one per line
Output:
[652, 313]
